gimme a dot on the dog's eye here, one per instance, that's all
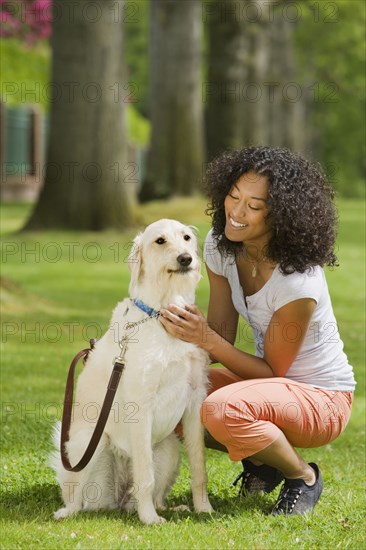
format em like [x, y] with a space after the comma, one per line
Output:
[187, 238]
[160, 240]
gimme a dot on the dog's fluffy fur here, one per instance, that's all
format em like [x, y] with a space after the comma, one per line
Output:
[164, 381]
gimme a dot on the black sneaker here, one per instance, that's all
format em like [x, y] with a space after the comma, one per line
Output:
[296, 497]
[255, 479]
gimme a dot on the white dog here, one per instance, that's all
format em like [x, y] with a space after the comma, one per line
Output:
[164, 381]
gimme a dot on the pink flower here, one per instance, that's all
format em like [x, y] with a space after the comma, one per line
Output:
[29, 20]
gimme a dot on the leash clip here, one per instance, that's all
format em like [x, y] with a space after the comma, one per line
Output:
[123, 346]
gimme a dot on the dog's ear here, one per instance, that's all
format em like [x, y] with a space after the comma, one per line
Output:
[196, 233]
[135, 262]
[194, 229]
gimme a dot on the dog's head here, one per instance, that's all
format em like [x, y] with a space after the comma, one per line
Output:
[166, 253]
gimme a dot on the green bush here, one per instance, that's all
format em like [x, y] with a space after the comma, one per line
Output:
[26, 72]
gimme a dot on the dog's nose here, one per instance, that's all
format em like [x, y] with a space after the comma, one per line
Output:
[184, 259]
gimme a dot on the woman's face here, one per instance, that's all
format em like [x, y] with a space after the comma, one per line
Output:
[246, 209]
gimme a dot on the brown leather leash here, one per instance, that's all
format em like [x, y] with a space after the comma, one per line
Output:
[104, 413]
[117, 371]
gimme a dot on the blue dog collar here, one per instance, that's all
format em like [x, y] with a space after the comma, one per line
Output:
[151, 312]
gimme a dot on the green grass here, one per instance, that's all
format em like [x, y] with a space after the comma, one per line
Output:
[52, 305]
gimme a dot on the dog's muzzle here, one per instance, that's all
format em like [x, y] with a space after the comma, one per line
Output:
[184, 261]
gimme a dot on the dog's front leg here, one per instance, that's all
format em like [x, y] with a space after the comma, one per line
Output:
[143, 468]
[194, 441]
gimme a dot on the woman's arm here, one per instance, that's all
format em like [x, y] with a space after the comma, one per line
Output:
[282, 342]
[191, 326]
[222, 316]
[216, 334]
[286, 333]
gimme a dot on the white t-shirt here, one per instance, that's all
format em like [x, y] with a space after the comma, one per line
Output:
[321, 361]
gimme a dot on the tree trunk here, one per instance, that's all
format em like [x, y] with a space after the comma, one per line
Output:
[252, 94]
[227, 74]
[175, 158]
[85, 186]
[277, 118]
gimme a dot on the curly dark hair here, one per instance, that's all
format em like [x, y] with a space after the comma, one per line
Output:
[300, 201]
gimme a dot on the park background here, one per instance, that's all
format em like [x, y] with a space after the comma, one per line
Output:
[117, 133]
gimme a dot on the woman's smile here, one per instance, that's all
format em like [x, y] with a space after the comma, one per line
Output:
[237, 225]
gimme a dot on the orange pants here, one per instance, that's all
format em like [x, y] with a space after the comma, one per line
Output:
[246, 416]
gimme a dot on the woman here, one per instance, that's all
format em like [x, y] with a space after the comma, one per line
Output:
[273, 231]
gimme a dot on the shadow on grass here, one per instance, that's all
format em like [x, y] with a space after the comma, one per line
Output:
[29, 503]
[40, 501]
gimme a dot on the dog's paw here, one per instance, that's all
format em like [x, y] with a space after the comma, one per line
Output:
[181, 508]
[63, 513]
[151, 519]
[158, 505]
[204, 508]
[129, 506]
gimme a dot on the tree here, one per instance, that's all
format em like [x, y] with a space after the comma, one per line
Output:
[84, 185]
[277, 115]
[336, 97]
[175, 158]
[253, 95]
[226, 74]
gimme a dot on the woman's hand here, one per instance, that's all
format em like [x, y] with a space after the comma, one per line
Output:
[190, 325]
[187, 323]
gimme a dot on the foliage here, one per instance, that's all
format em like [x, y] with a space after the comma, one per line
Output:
[337, 89]
[330, 45]
[334, 91]
[136, 25]
[138, 127]
[25, 72]
[25, 77]
[28, 20]
[47, 298]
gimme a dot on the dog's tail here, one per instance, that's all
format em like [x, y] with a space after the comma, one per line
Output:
[56, 435]
[54, 460]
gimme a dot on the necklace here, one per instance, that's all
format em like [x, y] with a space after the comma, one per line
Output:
[254, 264]
[254, 267]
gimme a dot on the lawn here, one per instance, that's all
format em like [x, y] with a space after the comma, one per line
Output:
[58, 291]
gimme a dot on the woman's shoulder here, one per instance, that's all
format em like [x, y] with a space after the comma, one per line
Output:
[310, 274]
[215, 260]
[294, 286]
[212, 254]
[210, 239]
